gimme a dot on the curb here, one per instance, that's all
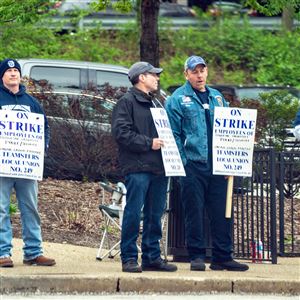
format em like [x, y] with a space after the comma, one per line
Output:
[111, 285]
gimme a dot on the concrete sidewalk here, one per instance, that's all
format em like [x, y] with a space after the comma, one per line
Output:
[78, 271]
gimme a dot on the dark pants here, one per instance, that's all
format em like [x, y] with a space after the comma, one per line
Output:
[147, 191]
[201, 189]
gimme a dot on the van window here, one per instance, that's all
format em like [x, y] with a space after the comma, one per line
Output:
[113, 78]
[59, 78]
[76, 106]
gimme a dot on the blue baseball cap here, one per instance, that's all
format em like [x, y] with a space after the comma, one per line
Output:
[194, 61]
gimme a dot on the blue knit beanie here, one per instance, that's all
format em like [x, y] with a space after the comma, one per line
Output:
[7, 64]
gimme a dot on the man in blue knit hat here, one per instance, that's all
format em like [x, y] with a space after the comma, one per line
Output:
[13, 96]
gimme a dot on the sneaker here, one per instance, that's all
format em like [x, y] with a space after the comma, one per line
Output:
[131, 266]
[6, 262]
[197, 264]
[40, 261]
[231, 265]
[159, 265]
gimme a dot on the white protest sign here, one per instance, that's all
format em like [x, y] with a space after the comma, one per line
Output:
[21, 144]
[170, 154]
[233, 141]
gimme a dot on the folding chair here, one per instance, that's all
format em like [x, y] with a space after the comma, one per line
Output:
[113, 215]
[165, 224]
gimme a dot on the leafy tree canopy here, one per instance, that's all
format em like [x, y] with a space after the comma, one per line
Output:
[121, 5]
[272, 7]
[30, 11]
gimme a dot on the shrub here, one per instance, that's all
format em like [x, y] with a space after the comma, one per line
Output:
[275, 113]
[81, 145]
[246, 55]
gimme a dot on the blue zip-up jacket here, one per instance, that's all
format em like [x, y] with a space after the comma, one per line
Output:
[187, 118]
[22, 101]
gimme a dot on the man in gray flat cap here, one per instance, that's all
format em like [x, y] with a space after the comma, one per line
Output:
[141, 162]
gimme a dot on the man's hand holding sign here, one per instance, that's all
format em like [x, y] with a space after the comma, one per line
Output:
[170, 154]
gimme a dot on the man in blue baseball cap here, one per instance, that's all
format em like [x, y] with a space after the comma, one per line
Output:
[191, 113]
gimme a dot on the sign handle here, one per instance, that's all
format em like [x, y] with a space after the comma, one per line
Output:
[229, 197]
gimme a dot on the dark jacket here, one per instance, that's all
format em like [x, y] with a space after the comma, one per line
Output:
[24, 102]
[133, 129]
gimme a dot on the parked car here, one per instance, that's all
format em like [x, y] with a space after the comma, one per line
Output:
[77, 76]
[81, 146]
[68, 76]
[220, 8]
[236, 93]
[166, 9]
[67, 16]
[78, 98]
[240, 92]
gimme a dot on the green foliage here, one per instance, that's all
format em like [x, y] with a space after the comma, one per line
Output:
[235, 56]
[13, 207]
[120, 5]
[173, 71]
[28, 41]
[278, 63]
[28, 11]
[241, 56]
[272, 7]
[85, 46]
[261, 120]
[279, 109]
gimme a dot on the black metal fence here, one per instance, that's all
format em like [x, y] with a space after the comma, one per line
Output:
[289, 203]
[266, 209]
[254, 210]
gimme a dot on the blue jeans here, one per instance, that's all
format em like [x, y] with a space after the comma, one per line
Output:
[26, 192]
[201, 189]
[145, 192]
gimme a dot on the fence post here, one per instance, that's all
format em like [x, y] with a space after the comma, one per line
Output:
[273, 207]
[281, 203]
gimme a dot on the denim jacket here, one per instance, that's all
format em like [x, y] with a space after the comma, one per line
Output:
[187, 118]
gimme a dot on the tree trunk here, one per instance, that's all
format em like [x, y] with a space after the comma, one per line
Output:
[287, 17]
[149, 41]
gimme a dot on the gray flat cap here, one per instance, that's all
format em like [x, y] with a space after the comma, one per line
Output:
[142, 67]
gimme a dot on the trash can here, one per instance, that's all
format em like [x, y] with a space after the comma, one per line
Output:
[176, 231]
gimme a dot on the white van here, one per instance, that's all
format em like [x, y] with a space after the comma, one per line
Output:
[78, 98]
[74, 76]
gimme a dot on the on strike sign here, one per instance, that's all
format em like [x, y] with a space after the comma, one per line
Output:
[233, 141]
[21, 144]
[170, 154]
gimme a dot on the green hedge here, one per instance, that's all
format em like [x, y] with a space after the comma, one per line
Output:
[246, 55]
